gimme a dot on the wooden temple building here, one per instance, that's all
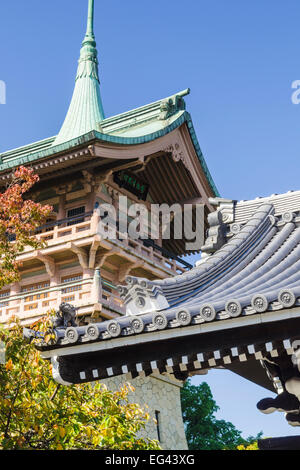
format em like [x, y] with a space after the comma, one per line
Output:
[151, 155]
[155, 146]
[142, 313]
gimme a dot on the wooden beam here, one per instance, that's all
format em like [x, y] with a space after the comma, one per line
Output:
[48, 262]
[93, 251]
[107, 255]
[82, 256]
[125, 269]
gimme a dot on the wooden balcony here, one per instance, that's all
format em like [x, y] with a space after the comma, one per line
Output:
[33, 304]
[78, 236]
[84, 228]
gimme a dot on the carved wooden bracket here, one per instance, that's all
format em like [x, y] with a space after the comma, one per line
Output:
[93, 250]
[177, 153]
[125, 269]
[107, 255]
[82, 256]
[48, 262]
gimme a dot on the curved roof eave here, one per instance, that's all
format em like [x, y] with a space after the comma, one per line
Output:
[184, 117]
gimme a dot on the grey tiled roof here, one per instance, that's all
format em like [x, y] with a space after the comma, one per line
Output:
[282, 203]
[256, 271]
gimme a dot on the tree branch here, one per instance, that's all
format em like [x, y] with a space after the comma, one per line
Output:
[55, 392]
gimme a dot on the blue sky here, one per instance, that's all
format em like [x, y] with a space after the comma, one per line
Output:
[238, 58]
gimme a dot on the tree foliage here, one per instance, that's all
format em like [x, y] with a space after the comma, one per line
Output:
[253, 446]
[38, 413]
[203, 430]
[35, 411]
[19, 218]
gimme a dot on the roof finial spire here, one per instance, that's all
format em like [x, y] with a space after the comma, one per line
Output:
[90, 21]
[86, 110]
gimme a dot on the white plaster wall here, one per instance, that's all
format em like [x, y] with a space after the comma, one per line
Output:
[161, 393]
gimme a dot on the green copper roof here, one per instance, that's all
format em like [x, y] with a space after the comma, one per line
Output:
[118, 130]
[86, 110]
[85, 121]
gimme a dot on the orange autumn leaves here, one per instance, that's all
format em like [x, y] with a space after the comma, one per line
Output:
[19, 218]
[9, 365]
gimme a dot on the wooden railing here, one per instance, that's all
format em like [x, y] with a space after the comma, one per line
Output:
[113, 302]
[36, 303]
[63, 232]
[150, 252]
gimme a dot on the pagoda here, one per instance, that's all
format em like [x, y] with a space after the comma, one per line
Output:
[149, 155]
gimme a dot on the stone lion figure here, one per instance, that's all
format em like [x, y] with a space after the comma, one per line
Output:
[65, 316]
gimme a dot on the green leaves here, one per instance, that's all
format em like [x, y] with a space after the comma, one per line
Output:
[203, 430]
[37, 414]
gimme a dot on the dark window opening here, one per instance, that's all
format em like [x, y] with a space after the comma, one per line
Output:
[48, 221]
[158, 424]
[74, 213]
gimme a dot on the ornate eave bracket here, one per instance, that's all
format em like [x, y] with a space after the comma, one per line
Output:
[283, 371]
[142, 296]
[177, 153]
[216, 234]
[226, 207]
[172, 105]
